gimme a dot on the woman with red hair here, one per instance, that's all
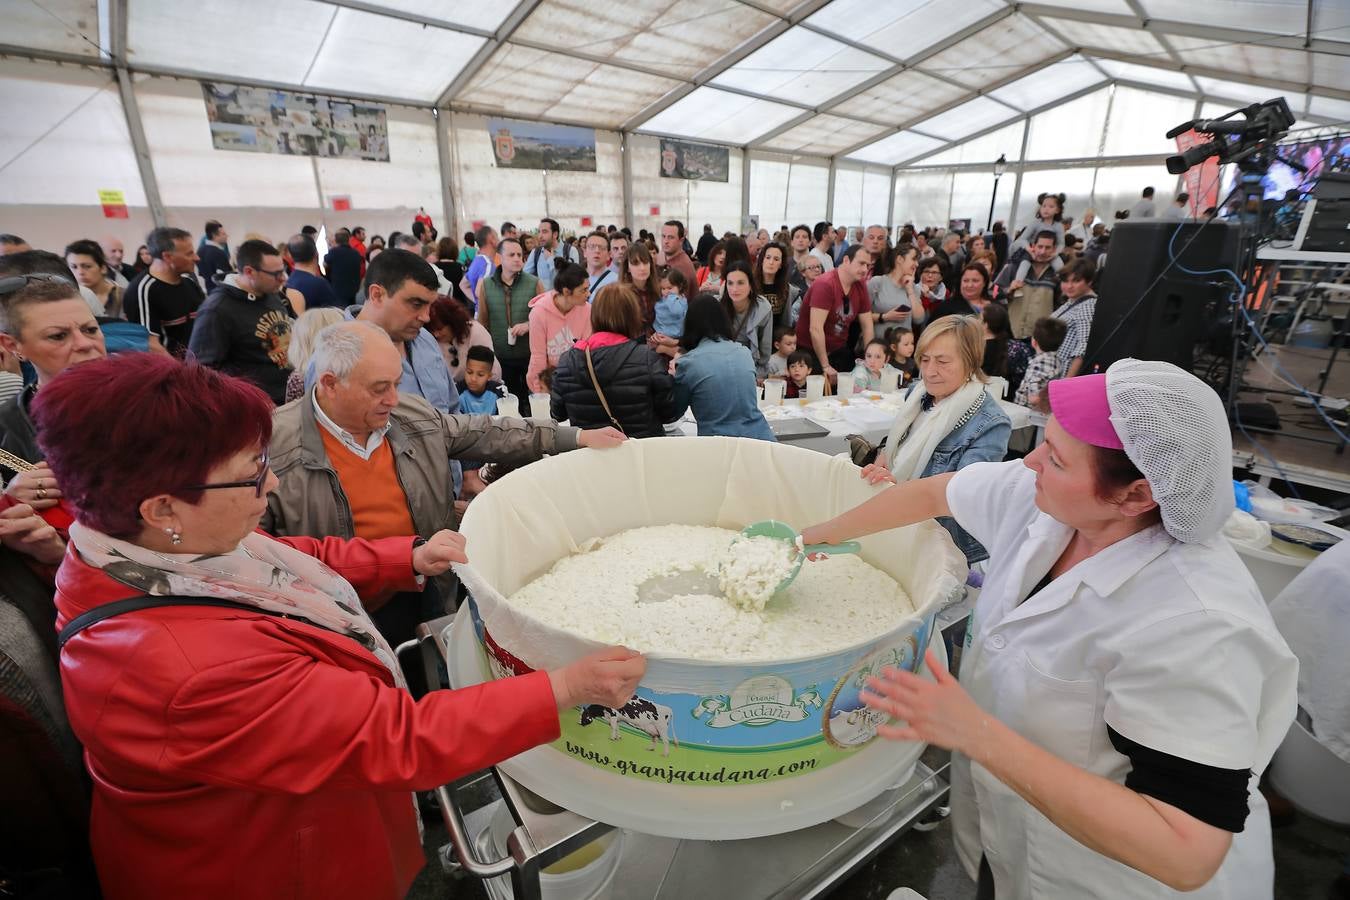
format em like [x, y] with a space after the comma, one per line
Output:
[245, 725]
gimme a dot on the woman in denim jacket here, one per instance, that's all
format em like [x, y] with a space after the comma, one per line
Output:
[948, 420]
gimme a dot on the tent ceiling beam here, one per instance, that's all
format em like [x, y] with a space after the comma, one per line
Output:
[909, 124]
[1045, 107]
[810, 7]
[390, 12]
[1216, 33]
[479, 59]
[884, 76]
[1277, 84]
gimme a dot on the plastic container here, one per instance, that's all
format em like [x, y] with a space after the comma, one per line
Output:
[737, 748]
[845, 384]
[890, 380]
[509, 405]
[774, 391]
[815, 388]
[1311, 777]
[592, 880]
[539, 406]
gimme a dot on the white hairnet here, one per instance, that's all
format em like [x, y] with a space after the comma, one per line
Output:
[1175, 431]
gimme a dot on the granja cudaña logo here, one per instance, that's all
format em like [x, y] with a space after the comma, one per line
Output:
[758, 701]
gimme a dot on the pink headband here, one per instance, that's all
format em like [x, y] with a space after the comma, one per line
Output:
[1081, 408]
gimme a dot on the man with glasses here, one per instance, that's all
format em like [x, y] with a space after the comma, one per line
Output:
[244, 327]
[165, 297]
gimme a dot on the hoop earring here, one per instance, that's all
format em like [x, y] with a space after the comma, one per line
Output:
[174, 537]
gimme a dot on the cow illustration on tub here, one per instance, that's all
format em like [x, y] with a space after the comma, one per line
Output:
[650, 718]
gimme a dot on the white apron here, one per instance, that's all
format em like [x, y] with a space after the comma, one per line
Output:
[1168, 643]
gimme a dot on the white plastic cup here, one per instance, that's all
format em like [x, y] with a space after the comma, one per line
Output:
[845, 384]
[509, 406]
[815, 388]
[774, 391]
[539, 406]
[890, 380]
[510, 337]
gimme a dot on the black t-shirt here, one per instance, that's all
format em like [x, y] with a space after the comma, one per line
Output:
[167, 310]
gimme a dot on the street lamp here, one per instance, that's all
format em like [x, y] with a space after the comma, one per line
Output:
[1000, 166]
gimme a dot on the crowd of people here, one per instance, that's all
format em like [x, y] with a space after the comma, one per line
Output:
[301, 428]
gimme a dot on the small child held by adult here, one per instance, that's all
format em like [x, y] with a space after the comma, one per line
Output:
[784, 345]
[799, 365]
[1046, 337]
[670, 311]
[900, 353]
[872, 367]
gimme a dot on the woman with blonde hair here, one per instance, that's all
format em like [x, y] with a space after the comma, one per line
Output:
[948, 420]
[303, 332]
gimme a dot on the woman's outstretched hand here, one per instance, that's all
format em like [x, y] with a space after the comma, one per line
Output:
[607, 677]
[937, 712]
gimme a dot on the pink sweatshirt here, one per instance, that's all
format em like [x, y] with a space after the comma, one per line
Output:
[552, 334]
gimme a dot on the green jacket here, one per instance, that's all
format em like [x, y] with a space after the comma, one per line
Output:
[493, 313]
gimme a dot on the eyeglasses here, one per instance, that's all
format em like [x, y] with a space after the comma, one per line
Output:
[13, 283]
[256, 483]
[277, 274]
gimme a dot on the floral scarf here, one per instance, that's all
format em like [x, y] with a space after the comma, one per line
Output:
[260, 572]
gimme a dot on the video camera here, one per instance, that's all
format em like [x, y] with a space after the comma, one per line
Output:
[1234, 139]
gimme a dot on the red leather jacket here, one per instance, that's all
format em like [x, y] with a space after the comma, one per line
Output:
[237, 755]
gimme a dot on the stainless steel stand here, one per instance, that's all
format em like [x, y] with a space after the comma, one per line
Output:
[798, 864]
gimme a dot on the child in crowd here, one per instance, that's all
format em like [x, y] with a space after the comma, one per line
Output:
[1046, 337]
[478, 392]
[670, 309]
[900, 353]
[784, 345]
[799, 365]
[867, 376]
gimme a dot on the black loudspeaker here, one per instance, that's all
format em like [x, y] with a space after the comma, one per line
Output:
[1141, 315]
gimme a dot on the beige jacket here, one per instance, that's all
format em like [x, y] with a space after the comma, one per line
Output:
[310, 501]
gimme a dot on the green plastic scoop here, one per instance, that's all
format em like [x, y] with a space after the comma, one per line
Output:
[782, 531]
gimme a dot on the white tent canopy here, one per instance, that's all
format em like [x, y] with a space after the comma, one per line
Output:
[851, 110]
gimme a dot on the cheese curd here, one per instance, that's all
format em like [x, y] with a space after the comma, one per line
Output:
[833, 604]
[752, 568]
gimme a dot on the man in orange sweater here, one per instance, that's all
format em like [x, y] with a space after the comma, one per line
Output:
[355, 458]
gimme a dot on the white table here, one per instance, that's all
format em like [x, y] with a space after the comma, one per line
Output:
[863, 416]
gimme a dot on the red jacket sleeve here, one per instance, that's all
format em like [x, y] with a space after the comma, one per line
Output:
[377, 569]
[296, 725]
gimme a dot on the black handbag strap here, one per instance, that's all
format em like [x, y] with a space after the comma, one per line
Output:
[132, 604]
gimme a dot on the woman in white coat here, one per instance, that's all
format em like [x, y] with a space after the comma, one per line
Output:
[1123, 684]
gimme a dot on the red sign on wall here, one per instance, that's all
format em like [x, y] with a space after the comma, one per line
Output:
[654, 209]
[478, 223]
[586, 221]
[341, 202]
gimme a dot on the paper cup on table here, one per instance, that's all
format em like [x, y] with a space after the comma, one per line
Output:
[890, 380]
[815, 388]
[539, 406]
[774, 391]
[509, 406]
[845, 384]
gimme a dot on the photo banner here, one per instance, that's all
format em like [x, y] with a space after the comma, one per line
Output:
[261, 120]
[1202, 181]
[534, 145]
[694, 162]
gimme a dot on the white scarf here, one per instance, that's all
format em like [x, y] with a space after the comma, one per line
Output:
[908, 453]
[261, 572]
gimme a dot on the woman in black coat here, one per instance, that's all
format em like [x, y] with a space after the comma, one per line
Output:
[634, 381]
